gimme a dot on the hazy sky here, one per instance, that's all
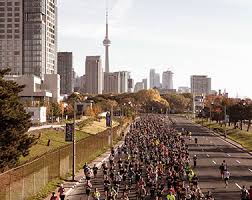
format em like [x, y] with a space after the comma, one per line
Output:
[210, 37]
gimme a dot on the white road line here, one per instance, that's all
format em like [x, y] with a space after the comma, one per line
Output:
[238, 161]
[221, 149]
[250, 170]
[207, 155]
[214, 162]
[228, 155]
[238, 186]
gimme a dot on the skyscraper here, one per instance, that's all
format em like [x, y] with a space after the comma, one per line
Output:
[65, 70]
[152, 78]
[167, 80]
[157, 83]
[124, 77]
[145, 82]
[112, 82]
[94, 75]
[200, 85]
[106, 43]
[28, 36]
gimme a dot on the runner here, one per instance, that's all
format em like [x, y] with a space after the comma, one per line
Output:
[226, 176]
[96, 194]
[244, 193]
[61, 192]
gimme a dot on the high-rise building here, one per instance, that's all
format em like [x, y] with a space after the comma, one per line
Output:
[94, 75]
[106, 43]
[139, 86]
[112, 83]
[200, 85]
[157, 83]
[80, 84]
[167, 80]
[65, 70]
[184, 90]
[130, 85]
[152, 78]
[124, 76]
[145, 82]
[28, 36]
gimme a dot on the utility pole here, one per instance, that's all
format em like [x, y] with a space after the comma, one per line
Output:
[111, 126]
[74, 146]
[225, 116]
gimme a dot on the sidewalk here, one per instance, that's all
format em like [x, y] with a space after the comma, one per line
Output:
[79, 176]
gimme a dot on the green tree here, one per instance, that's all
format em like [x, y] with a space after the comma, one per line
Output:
[14, 124]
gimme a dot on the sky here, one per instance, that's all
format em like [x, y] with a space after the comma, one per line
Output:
[189, 37]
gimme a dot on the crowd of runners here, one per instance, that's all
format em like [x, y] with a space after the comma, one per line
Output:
[153, 163]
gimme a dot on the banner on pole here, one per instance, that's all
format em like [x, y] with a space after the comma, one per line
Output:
[69, 132]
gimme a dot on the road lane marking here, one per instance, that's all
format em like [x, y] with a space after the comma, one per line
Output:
[238, 186]
[228, 155]
[207, 155]
[250, 170]
[221, 149]
[238, 161]
[214, 162]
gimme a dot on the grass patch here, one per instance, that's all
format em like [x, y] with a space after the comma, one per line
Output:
[97, 126]
[56, 137]
[51, 186]
[242, 137]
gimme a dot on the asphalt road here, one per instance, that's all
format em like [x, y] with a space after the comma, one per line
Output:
[211, 151]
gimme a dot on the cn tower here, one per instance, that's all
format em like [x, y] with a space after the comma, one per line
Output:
[106, 43]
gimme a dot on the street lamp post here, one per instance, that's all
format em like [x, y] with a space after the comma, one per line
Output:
[74, 144]
[225, 118]
[210, 115]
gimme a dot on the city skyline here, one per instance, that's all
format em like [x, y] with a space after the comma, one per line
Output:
[199, 38]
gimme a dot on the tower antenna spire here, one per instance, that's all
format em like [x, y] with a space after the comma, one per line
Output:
[106, 41]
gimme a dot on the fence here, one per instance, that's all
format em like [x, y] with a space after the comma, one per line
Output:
[27, 180]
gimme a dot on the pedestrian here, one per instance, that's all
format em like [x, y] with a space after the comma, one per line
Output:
[54, 197]
[88, 188]
[170, 196]
[250, 193]
[244, 193]
[226, 176]
[194, 161]
[61, 192]
[95, 170]
[96, 194]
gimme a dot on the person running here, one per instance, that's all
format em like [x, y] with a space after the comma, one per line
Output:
[194, 161]
[226, 176]
[61, 192]
[244, 193]
[250, 193]
[196, 141]
[95, 170]
[170, 196]
[223, 167]
[54, 197]
[88, 186]
[96, 194]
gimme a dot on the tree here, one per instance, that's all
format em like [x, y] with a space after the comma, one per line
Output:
[97, 110]
[14, 124]
[178, 102]
[89, 112]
